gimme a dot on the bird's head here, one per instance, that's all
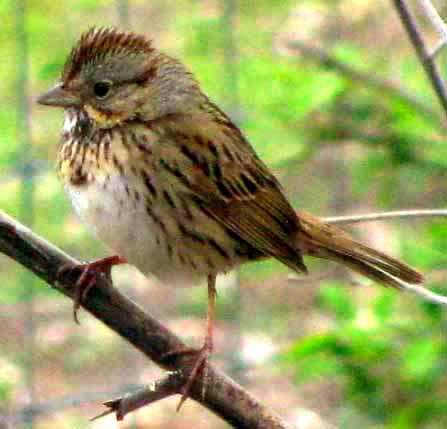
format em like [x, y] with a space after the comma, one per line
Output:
[118, 76]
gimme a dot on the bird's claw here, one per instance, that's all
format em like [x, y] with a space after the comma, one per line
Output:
[87, 278]
[200, 364]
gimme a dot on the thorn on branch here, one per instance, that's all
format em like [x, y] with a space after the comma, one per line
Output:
[169, 385]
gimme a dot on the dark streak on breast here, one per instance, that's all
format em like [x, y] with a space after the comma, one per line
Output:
[83, 126]
[67, 151]
[79, 177]
[74, 156]
[124, 138]
[106, 148]
[118, 164]
[169, 249]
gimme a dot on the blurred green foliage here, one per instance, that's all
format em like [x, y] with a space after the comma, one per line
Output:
[332, 142]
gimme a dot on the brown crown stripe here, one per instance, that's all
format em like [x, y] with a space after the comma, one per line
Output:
[98, 42]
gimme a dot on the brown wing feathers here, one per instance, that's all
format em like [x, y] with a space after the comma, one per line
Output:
[240, 193]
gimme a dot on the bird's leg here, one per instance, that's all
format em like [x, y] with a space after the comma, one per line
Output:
[87, 278]
[201, 355]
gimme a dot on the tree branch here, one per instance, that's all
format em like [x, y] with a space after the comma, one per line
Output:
[223, 396]
[423, 52]
[386, 215]
[438, 23]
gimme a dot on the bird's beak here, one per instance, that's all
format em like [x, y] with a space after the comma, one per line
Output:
[59, 97]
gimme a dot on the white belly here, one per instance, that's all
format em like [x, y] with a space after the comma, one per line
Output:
[126, 229]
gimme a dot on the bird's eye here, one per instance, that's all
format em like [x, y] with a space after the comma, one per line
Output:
[102, 88]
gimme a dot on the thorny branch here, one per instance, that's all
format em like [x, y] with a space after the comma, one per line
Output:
[160, 389]
[223, 396]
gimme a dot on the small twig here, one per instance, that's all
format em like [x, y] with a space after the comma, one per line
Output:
[434, 17]
[438, 48]
[386, 215]
[438, 23]
[60, 403]
[425, 293]
[423, 52]
[167, 386]
[417, 290]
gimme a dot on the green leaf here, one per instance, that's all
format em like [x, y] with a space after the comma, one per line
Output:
[337, 300]
[419, 361]
[309, 347]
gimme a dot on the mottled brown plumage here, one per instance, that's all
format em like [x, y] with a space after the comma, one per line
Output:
[170, 184]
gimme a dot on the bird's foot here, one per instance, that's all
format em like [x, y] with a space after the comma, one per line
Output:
[200, 365]
[88, 273]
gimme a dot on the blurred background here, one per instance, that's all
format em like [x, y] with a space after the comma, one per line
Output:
[332, 97]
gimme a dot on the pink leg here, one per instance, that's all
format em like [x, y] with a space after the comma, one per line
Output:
[203, 354]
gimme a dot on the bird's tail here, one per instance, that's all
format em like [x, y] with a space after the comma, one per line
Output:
[329, 242]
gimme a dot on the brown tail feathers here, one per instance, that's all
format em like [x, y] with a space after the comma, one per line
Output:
[329, 242]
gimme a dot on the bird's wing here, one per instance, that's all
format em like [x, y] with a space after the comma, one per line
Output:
[228, 181]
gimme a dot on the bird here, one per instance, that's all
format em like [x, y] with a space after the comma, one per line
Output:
[168, 182]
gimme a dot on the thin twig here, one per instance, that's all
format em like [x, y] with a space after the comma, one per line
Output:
[438, 23]
[417, 213]
[434, 17]
[423, 52]
[426, 294]
[62, 402]
[417, 290]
